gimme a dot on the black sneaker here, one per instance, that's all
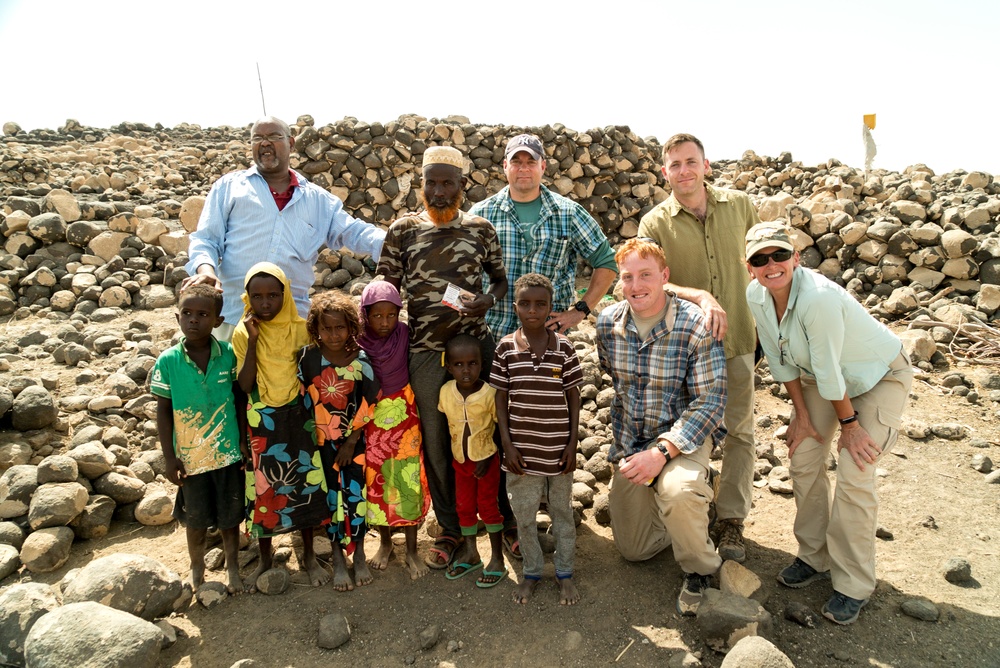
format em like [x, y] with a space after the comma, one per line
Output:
[800, 574]
[691, 593]
[841, 609]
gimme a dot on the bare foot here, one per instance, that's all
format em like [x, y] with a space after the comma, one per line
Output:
[318, 576]
[362, 576]
[342, 581]
[418, 568]
[568, 594]
[381, 559]
[524, 590]
[250, 584]
[234, 585]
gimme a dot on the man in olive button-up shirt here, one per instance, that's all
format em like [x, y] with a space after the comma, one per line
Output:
[701, 230]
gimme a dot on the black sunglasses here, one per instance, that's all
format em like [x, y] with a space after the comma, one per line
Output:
[761, 259]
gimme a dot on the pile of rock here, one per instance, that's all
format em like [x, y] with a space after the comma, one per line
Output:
[81, 457]
[95, 217]
[110, 605]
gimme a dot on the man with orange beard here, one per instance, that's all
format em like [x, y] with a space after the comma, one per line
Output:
[440, 257]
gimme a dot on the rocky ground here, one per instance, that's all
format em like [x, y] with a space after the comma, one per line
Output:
[937, 504]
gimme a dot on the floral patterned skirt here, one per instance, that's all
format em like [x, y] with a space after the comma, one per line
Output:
[394, 465]
[286, 487]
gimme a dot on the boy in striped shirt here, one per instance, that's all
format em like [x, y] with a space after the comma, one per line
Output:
[537, 376]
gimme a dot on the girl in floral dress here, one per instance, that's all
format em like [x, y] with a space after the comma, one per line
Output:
[284, 490]
[397, 486]
[340, 390]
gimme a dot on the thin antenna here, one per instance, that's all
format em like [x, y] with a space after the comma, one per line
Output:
[261, 84]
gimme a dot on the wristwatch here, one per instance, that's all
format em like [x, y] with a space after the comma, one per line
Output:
[662, 447]
[582, 307]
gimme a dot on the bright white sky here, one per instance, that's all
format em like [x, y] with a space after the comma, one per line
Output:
[770, 76]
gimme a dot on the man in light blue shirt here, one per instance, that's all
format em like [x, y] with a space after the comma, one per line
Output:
[270, 213]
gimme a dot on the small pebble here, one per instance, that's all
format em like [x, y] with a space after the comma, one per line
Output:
[883, 533]
[957, 570]
[921, 609]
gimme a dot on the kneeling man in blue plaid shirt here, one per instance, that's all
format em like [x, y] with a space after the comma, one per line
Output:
[669, 375]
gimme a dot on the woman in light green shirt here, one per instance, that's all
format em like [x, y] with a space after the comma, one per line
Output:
[841, 368]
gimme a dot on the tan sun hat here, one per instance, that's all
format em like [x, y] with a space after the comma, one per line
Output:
[766, 235]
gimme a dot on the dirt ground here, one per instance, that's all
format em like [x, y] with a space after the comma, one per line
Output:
[627, 615]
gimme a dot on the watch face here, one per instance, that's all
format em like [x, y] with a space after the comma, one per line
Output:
[582, 307]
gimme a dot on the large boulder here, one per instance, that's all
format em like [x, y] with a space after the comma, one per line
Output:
[725, 619]
[20, 607]
[95, 520]
[93, 459]
[56, 504]
[57, 468]
[91, 635]
[46, 550]
[756, 652]
[10, 560]
[121, 488]
[33, 408]
[155, 508]
[133, 583]
[17, 484]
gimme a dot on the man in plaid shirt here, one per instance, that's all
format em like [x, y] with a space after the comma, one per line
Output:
[669, 376]
[544, 233]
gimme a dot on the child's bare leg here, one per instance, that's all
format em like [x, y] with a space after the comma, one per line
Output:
[231, 548]
[196, 550]
[317, 574]
[496, 565]
[381, 559]
[418, 568]
[524, 590]
[466, 556]
[568, 593]
[265, 563]
[362, 576]
[341, 577]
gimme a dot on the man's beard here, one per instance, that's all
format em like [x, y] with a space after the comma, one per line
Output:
[441, 215]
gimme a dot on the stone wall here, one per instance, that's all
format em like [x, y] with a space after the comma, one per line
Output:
[102, 215]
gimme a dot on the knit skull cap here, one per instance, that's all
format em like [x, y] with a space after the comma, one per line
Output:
[444, 155]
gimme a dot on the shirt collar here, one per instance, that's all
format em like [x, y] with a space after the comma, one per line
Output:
[713, 194]
[623, 319]
[522, 346]
[216, 349]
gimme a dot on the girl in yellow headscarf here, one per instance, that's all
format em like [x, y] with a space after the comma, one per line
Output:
[286, 489]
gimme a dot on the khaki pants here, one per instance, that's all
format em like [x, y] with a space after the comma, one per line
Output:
[738, 451]
[647, 520]
[836, 531]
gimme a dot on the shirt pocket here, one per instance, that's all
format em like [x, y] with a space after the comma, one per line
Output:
[550, 252]
[299, 235]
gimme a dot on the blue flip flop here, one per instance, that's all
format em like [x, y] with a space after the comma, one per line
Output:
[466, 569]
[499, 575]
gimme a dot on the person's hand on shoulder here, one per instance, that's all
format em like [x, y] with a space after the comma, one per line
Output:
[715, 316]
[205, 275]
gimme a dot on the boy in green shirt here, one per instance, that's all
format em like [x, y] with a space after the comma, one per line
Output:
[202, 433]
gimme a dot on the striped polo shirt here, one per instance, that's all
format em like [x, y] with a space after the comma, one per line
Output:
[536, 387]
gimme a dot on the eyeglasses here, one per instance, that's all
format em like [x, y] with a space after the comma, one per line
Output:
[761, 259]
[273, 138]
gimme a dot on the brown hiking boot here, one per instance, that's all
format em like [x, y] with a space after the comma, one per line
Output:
[731, 540]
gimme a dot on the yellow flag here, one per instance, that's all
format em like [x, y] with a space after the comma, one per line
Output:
[870, 121]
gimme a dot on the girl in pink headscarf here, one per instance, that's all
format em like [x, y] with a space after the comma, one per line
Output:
[394, 467]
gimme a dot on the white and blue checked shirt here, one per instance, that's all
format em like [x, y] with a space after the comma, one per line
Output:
[673, 384]
[241, 225]
[565, 234]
